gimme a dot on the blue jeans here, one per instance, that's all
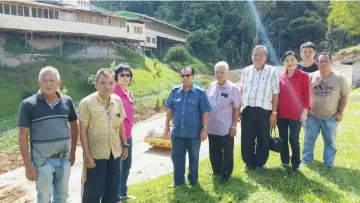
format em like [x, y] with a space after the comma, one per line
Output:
[53, 178]
[179, 147]
[312, 128]
[125, 166]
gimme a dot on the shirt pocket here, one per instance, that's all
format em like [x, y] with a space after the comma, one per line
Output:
[192, 105]
[115, 120]
[177, 103]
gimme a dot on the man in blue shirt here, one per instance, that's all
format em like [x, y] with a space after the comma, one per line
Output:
[188, 105]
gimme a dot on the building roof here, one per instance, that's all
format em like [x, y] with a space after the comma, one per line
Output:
[350, 61]
[139, 16]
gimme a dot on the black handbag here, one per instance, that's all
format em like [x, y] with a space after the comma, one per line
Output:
[276, 143]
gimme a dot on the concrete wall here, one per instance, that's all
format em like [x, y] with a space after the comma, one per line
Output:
[160, 34]
[356, 74]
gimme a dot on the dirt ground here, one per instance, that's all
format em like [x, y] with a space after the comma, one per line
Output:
[9, 161]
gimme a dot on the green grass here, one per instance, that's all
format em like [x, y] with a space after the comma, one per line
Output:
[350, 50]
[313, 184]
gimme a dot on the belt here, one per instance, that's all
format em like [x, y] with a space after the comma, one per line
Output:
[57, 156]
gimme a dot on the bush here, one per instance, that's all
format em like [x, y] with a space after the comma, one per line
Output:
[157, 105]
[177, 54]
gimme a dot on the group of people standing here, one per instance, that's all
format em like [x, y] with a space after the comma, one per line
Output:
[308, 93]
[265, 98]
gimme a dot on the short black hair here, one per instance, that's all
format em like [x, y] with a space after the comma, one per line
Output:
[290, 53]
[191, 68]
[121, 68]
[325, 54]
[308, 45]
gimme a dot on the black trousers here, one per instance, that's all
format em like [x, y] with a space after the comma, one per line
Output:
[295, 126]
[255, 127]
[102, 182]
[221, 151]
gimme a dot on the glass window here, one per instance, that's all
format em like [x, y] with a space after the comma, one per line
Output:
[109, 21]
[34, 12]
[56, 12]
[20, 11]
[1, 8]
[78, 1]
[6, 8]
[40, 13]
[128, 29]
[13, 10]
[88, 19]
[68, 16]
[118, 23]
[154, 40]
[82, 2]
[148, 39]
[51, 14]
[46, 13]
[26, 11]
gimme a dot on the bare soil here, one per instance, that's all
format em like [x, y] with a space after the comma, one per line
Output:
[9, 161]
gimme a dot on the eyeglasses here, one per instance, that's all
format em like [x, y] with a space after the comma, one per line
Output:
[186, 75]
[125, 75]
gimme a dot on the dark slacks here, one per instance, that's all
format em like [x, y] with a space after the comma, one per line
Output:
[221, 151]
[179, 147]
[295, 126]
[255, 131]
[102, 182]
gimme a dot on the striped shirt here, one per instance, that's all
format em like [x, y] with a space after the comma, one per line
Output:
[48, 124]
[259, 86]
[104, 124]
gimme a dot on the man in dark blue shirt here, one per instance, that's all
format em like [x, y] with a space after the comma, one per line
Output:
[188, 105]
[307, 52]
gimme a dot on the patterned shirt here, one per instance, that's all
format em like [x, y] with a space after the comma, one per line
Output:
[223, 100]
[104, 124]
[188, 108]
[259, 86]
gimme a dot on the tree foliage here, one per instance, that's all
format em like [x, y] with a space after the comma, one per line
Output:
[345, 15]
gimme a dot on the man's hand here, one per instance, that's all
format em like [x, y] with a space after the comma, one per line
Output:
[167, 130]
[232, 131]
[203, 135]
[72, 157]
[30, 172]
[273, 119]
[338, 117]
[124, 153]
[89, 162]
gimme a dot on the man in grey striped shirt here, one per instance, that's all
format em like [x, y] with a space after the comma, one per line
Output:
[259, 90]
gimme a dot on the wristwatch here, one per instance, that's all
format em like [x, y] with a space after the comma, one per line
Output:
[204, 127]
[126, 145]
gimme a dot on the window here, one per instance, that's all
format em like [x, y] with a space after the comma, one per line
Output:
[148, 39]
[68, 16]
[81, 17]
[13, 10]
[128, 29]
[88, 18]
[94, 19]
[26, 11]
[40, 13]
[56, 12]
[1, 8]
[118, 23]
[154, 40]
[109, 21]
[51, 14]
[99, 20]
[82, 2]
[46, 13]
[6, 8]
[20, 11]
[34, 12]
[78, 1]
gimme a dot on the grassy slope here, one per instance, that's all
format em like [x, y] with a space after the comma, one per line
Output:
[313, 184]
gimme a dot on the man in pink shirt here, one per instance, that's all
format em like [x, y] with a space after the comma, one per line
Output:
[123, 76]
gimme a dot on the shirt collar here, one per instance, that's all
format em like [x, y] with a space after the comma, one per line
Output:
[296, 73]
[262, 68]
[103, 101]
[192, 88]
[41, 96]
[226, 85]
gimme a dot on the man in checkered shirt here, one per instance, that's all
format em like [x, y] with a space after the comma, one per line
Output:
[259, 90]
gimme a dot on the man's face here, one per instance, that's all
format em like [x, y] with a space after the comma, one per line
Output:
[307, 54]
[324, 62]
[259, 56]
[186, 76]
[105, 85]
[48, 83]
[221, 74]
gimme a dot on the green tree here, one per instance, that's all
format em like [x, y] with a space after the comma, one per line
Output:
[345, 15]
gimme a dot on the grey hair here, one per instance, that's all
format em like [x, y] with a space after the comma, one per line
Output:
[261, 46]
[49, 69]
[221, 64]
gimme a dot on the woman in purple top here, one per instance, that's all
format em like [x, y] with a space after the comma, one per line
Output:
[224, 97]
[123, 76]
